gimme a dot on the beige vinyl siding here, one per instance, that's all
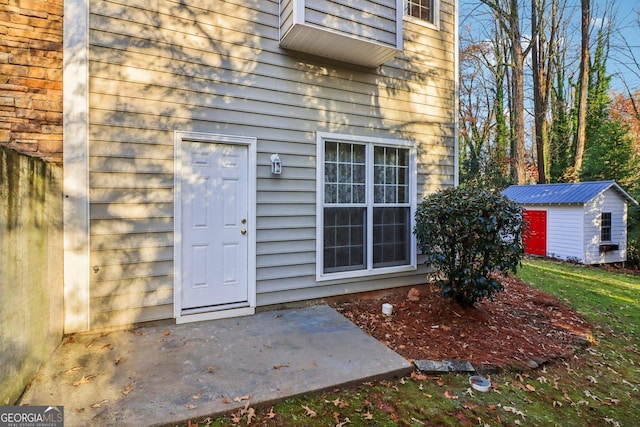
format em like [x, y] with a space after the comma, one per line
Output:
[160, 66]
[373, 20]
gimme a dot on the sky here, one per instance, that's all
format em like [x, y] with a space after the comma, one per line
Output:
[623, 65]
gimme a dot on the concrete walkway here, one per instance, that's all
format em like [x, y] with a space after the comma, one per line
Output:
[165, 374]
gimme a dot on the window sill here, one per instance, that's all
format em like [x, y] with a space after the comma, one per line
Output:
[324, 277]
[609, 247]
[422, 22]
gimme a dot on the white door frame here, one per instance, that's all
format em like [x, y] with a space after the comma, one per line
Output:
[251, 144]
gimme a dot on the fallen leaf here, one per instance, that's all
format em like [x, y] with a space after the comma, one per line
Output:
[415, 420]
[449, 395]
[418, 376]
[225, 400]
[251, 414]
[340, 403]
[197, 396]
[342, 424]
[189, 406]
[127, 389]
[309, 412]
[165, 332]
[241, 398]
[211, 369]
[236, 417]
[270, 415]
[280, 366]
[83, 380]
[118, 360]
[72, 370]
[367, 415]
[105, 346]
[592, 396]
[98, 404]
[530, 387]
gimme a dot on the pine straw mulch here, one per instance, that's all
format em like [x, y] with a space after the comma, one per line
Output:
[522, 328]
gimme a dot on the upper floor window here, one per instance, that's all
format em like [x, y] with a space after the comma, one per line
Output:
[605, 227]
[425, 10]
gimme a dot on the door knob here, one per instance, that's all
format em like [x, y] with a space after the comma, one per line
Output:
[243, 230]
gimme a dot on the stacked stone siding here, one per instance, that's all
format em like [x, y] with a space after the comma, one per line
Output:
[31, 77]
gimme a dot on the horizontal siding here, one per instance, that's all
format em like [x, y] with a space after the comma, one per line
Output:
[218, 68]
[371, 20]
[564, 232]
[609, 201]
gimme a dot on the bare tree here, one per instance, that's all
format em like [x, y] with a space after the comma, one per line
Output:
[584, 87]
[508, 16]
[545, 58]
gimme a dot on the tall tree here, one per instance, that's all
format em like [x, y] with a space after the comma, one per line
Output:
[544, 61]
[583, 87]
[507, 14]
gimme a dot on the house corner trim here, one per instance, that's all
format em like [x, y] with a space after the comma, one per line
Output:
[76, 165]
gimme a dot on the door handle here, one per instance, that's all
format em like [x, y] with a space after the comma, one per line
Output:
[243, 231]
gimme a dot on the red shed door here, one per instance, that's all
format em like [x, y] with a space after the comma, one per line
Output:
[535, 234]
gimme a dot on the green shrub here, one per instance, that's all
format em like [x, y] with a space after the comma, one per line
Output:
[633, 254]
[467, 234]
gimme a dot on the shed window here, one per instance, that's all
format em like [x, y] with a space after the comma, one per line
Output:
[425, 10]
[367, 206]
[605, 227]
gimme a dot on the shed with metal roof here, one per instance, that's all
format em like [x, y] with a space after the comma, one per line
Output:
[584, 221]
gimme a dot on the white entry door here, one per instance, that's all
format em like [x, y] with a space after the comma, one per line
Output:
[214, 203]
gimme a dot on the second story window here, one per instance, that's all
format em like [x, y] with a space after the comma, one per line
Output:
[422, 9]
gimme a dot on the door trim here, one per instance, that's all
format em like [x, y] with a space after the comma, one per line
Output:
[218, 312]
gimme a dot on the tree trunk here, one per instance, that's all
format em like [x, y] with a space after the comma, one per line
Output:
[584, 86]
[518, 95]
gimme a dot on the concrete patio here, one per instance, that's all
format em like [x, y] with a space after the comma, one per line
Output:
[165, 374]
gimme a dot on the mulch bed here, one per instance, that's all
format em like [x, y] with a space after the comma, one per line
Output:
[522, 328]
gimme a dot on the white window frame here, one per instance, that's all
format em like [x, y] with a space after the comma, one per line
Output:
[370, 142]
[436, 16]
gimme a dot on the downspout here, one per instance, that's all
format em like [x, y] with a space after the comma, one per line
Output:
[456, 72]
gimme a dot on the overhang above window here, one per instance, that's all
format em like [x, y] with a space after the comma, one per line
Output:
[367, 32]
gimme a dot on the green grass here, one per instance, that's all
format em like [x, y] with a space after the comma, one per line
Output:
[600, 386]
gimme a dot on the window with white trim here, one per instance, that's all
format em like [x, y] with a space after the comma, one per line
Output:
[425, 10]
[367, 204]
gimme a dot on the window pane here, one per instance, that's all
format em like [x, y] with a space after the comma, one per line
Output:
[331, 152]
[605, 227]
[391, 170]
[422, 9]
[344, 239]
[359, 154]
[345, 165]
[391, 236]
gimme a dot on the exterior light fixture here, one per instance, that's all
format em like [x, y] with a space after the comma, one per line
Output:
[276, 164]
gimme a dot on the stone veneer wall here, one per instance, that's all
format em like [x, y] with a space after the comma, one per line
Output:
[31, 77]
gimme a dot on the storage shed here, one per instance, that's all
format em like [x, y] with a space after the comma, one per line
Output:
[584, 222]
